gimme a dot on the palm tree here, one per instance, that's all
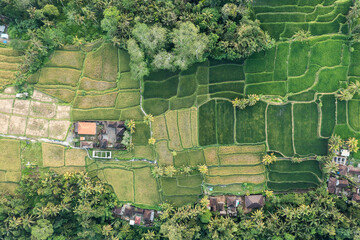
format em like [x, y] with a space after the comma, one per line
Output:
[345, 95]
[253, 99]
[203, 169]
[148, 119]
[335, 142]
[296, 160]
[354, 87]
[268, 159]
[149, 235]
[107, 230]
[352, 144]
[331, 167]
[269, 193]
[235, 102]
[131, 125]
[258, 215]
[170, 171]
[243, 103]
[187, 170]
[152, 141]
[157, 172]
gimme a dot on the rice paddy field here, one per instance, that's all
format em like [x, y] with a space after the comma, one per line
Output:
[195, 122]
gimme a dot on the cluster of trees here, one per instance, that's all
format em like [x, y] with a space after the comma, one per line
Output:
[73, 206]
[348, 93]
[171, 171]
[167, 34]
[242, 103]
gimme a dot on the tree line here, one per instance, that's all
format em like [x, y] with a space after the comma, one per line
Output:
[74, 206]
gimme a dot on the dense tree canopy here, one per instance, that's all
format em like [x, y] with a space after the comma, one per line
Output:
[170, 34]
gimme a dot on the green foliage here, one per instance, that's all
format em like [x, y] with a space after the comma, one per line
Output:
[207, 124]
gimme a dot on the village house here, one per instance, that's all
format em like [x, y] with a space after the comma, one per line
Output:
[100, 134]
[135, 216]
[341, 156]
[217, 204]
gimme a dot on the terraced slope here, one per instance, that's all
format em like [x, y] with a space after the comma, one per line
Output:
[9, 63]
[283, 18]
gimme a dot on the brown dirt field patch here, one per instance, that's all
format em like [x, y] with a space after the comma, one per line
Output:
[21, 107]
[7, 75]
[159, 128]
[8, 187]
[164, 154]
[63, 94]
[10, 90]
[10, 155]
[128, 99]
[4, 119]
[42, 97]
[53, 155]
[72, 59]
[63, 112]
[17, 125]
[9, 52]
[185, 128]
[13, 176]
[95, 101]
[37, 127]
[172, 127]
[6, 105]
[58, 129]
[88, 84]
[44, 110]
[59, 76]
[224, 180]
[231, 170]
[9, 66]
[242, 149]
[240, 159]
[194, 127]
[11, 59]
[75, 157]
[93, 65]
[211, 157]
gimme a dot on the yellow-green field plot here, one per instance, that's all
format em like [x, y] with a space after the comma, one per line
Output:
[10, 164]
[146, 190]
[53, 155]
[9, 62]
[122, 182]
[75, 157]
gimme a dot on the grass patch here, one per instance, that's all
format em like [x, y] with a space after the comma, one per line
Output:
[187, 85]
[189, 181]
[124, 61]
[327, 53]
[240, 159]
[144, 152]
[164, 155]
[341, 111]
[269, 88]
[259, 77]
[242, 149]
[178, 201]
[126, 81]
[31, 152]
[173, 131]
[183, 102]
[354, 114]
[53, 155]
[298, 59]
[305, 135]
[211, 157]
[122, 182]
[292, 27]
[96, 114]
[304, 166]
[196, 157]
[184, 122]
[75, 157]
[287, 186]
[202, 75]
[128, 99]
[328, 115]
[207, 124]
[170, 188]
[231, 170]
[155, 106]
[224, 122]
[141, 135]
[70, 59]
[10, 157]
[59, 76]
[88, 84]
[297, 84]
[250, 124]
[305, 96]
[96, 101]
[159, 128]
[161, 89]
[329, 79]
[224, 180]
[132, 113]
[146, 191]
[109, 63]
[279, 125]
[225, 73]
[65, 95]
[181, 159]
[293, 177]
[231, 86]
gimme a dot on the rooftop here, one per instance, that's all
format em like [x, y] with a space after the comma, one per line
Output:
[86, 128]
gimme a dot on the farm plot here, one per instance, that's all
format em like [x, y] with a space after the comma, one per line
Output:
[283, 19]
[9, 63]
[231, 168]
[40, 116]
[285, 175]
[10, 164]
